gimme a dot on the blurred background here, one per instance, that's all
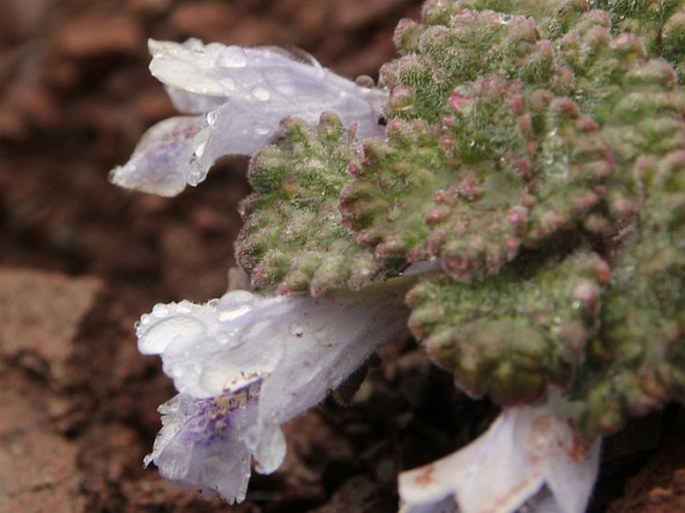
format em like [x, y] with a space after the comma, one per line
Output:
[80, 260]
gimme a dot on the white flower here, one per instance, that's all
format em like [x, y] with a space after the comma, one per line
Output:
[200, 444]
[528, 456]
[239, 97]
[245, 364]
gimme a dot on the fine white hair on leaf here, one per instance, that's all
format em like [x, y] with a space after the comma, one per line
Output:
[527, 456]
[239, 97]
[287, 353]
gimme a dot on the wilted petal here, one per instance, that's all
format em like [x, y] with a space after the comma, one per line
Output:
[527, 454]
[160, 164]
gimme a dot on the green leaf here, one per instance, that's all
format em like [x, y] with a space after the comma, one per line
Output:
[293, 238]
[512, 335]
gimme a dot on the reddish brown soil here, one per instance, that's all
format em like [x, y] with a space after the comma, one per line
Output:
[80, 260]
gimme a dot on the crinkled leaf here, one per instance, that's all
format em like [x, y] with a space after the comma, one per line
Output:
[512, 335]
[596, 153]
[638, 362]
[509, 168]
[293, 237]
[458, 46]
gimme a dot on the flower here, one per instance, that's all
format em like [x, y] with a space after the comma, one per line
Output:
[236, 98]
[200, 443]
[528, 456]
[245, 364]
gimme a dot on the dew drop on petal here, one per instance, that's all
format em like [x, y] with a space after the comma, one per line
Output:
[231, 57]
[192, 44]
[183, 308]
[160, 310]
[261, 94]
[195, 174]
[228, 83]
[200, 148]
[234, 313]
[286, 89]
[365, 81]
[155, 339]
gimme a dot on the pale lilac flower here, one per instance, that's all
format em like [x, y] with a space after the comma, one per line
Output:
[245, 364]
[237, 98]
[527, 456]
[200, 444]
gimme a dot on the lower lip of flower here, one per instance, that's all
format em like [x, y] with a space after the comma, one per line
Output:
[212, 420]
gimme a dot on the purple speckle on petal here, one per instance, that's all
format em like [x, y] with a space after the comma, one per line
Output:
[212, 418]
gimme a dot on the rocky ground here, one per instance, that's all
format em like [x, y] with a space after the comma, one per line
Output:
[80, 260]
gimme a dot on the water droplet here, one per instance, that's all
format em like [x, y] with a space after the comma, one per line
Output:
[232, 57]
[364, 81]
[228, 339]
[160, 310]
[261, 94]
[193, 44]
[234, 313]
[286, 89]
[183, 308]
[296, 330]
[228, 83]
[210, 118]
[195, 174]
[200, 148]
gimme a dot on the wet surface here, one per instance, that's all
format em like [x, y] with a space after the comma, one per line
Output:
[80, 260]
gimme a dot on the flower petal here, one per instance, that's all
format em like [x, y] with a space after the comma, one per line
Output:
[160, 164]
[216, 347]
[200, 445]
[525, 449]
[244, 94]
[248, 91]
[294, 349]
[191, 103]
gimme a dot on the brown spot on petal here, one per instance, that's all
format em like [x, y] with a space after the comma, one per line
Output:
[425, 477]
